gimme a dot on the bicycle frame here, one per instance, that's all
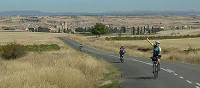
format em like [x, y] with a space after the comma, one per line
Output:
[122, 58]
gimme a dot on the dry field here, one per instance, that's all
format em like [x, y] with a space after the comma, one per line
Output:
[179, 32]
[172, 49]
[65, 68]
[30, 38]
[82, 21]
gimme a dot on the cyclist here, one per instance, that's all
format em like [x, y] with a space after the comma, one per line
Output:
[156, 51]
[80, 46]
[122, 51]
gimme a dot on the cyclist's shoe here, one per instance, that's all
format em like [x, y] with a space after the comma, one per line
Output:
[153, 71]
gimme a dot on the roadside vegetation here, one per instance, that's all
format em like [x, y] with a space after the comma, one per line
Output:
[99, 29]
[54, 68]
[42, 47]
[13, 50]
[66, 68]
[184, 50]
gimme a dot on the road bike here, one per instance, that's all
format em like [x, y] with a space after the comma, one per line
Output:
[80, 47]
[156, 67]
[122, 58]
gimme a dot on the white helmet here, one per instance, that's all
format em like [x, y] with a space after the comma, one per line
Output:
[157, 42]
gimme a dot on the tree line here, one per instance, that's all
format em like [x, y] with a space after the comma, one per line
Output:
[99, 29]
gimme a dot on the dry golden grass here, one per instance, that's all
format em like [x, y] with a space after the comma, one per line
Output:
[172, 48]
[115, 20]
[179, 32]
[57, 69]
[65, 68]
[30, 38]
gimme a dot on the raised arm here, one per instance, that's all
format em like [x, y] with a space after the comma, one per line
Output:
[149, 42]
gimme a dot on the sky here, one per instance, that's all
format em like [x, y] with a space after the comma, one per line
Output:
[99, 5]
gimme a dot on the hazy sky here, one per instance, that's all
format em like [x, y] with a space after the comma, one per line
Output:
[98, 5]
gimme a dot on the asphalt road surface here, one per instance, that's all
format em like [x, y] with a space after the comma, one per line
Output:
[137, 72]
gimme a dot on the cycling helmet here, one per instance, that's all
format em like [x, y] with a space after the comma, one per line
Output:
[157, 42]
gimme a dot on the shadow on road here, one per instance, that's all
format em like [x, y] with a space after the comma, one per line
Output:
[140, 78]
[116, 62]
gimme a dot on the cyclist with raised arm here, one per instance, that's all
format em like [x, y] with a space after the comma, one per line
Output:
[121, 53]
[156, 52]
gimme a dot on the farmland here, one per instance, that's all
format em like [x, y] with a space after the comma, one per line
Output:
[172, 49]
[64, 68]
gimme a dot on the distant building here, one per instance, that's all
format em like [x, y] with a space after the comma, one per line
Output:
[30, 19]
[37, 28]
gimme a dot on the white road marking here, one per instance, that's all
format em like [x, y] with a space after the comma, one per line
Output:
[142, 62]
[198, 84]
[189, 81]
[181, 77]
[164, 69]
[167, 70]
[114, 56]
[175, 74]
[149, 63]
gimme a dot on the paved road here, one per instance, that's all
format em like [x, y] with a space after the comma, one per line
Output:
[137, 72]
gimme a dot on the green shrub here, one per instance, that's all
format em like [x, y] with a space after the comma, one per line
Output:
[12, 51]
[99, 29]
[42, 47]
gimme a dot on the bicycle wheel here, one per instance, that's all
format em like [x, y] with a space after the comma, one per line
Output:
[121, 59]
[155, 70]
[154, 75]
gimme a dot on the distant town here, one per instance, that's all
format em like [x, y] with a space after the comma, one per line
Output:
[76, 24]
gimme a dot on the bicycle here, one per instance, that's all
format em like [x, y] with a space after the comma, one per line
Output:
[122, 58]
[80, 47]
[156, 67]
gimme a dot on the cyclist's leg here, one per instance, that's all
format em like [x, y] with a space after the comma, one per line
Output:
[152, 58]
[158, 60]
[158, 64]
[121, 55]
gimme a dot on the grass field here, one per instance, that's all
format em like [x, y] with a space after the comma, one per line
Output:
[66, 68]
[28, 38]
[172, 49]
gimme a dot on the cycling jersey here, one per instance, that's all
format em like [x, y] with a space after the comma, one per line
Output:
[122, 51]
[156, 51]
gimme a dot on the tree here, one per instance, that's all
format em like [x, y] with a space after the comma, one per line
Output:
[80, 29]
[64, 30]
[123, 29]
[99, 29]
[133, 30]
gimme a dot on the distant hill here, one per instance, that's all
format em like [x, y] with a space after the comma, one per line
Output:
[119, 13]
[39, 13]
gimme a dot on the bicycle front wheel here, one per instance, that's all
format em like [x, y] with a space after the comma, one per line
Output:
[155, 71]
